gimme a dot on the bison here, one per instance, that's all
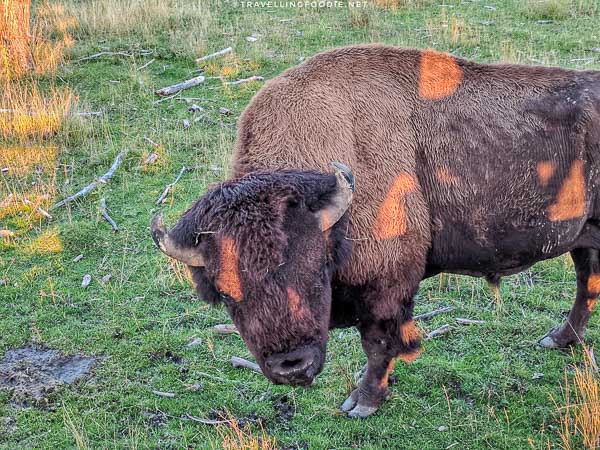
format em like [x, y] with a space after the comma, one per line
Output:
[460, 167]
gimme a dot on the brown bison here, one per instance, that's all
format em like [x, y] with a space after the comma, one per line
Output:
[460, 167]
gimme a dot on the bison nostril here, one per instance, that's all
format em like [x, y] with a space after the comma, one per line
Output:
[290, 364]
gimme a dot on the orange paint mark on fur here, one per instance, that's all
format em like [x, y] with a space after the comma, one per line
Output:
[593, 284]
[443, 175]
[439, 75]
[409, 357]
[326, 220]
[384, 381]
[545, 170]
[409, 332]
[228, 280]
[296, 306]
[391, 218]
[570, 200]
[591, 302]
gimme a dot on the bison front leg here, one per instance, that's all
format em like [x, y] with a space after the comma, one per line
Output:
[384, 341]
[587, 268]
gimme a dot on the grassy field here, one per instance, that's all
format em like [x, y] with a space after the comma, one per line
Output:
[477, 387]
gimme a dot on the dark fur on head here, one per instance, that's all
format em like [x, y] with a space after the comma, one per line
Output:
[271, 217]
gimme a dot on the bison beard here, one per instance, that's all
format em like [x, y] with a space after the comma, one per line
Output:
[461, 167]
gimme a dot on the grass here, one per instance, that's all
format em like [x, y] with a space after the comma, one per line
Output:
[472, 388]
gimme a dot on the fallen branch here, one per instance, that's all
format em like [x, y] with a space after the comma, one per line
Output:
[212, 55]
[43, 212]
[435, 312]
[164, 394]
[106, 216]
[181, 86]
[93, 185]
[438, 331]
[166, 98]
[169, 187]
[236, 361]
[225, 329]
[469, 321]
[101, 54]
[207, 421]
[245, 80]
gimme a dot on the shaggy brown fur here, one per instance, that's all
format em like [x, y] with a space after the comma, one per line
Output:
[459, 167]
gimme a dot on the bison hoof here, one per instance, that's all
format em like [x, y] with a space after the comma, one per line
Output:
[356, 406]
[556, 339]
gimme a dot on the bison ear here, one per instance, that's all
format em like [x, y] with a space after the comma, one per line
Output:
[341, 199]
[169, 247]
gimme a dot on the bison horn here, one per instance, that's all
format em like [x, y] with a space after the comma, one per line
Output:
[341, 200]
[170, 248]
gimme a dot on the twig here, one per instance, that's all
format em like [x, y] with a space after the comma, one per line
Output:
[593, 363]
[43, 212]
[435, 312]
[169, 187]
[469, 321]
[165, 394]
[212, 55]
[151, 141]
[93, 185]
[101, 54]
[225, 329]
[166, 98]
[109, 219]
[236, 361]
[146, 65]
[207, 421]
[181, 86]
[438, 331]
[245, 80]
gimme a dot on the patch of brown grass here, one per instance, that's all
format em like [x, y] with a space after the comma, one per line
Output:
[580, 417]
[235, 437]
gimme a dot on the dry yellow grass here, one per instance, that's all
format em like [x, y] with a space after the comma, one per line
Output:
[185, 22]
[580, 417]
[234, 437]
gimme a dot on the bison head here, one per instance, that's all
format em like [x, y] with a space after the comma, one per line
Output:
[267, 245]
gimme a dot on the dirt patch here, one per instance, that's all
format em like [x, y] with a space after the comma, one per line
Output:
[284, 409]
[32, 373]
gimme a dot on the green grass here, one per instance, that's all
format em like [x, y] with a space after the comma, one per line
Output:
[476, 381]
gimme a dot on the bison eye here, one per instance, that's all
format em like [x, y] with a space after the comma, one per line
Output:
[225, 297]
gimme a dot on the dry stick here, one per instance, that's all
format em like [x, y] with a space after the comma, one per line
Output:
[151, 141]
[169, 187]
[93, 185]
[469, 321]
[207, 421]
[37, 208]
[35, 113]
[109, 219]
[166, 98]
[438, 331]
[164, 394]
[99, 55]
[241, 362]
[212, 55]
[146, 65]
[181, 86]
[245, 80]
[225, 329]
[435, 312]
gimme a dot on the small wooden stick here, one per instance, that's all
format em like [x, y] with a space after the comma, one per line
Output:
[166, 98]
[37, 208]
[169, 90]
[151, 141]
[169, 187]
[99, 55]
[164, 394]
[469, 321]
[146, 65]
[207, 421]
[212, 55]
[225, 329]
[438, 331]
[93, 185]
[245, 80]
[236, 361]
[109, 219]
[435, 312]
